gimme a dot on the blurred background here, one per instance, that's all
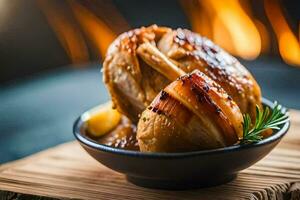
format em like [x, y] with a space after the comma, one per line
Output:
[51, 53]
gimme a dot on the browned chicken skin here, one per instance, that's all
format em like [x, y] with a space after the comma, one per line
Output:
[141, 62]
[131, 82]
[191, 113]
[191, 51]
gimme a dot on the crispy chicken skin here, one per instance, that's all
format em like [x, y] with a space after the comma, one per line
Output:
[191, 51]
[141, 62]
[191, 113]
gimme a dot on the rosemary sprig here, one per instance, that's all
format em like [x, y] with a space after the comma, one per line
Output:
[265, 119]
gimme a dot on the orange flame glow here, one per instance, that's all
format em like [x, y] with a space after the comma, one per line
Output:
[95, 29]
[109, 14]
[68, 34]
[288, 45]
[199, 18]
[264, 35]
[232, 28]
[231, 24]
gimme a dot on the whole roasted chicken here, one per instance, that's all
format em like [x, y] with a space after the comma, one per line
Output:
[141, 62]
[184, 92]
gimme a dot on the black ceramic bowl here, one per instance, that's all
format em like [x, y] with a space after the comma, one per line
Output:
[180, 170]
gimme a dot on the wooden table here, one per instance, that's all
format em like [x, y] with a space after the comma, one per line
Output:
[68, 172]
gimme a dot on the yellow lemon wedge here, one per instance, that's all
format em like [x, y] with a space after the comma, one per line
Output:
[102, 119]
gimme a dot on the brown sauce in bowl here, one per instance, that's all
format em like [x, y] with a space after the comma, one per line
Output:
[123, 136]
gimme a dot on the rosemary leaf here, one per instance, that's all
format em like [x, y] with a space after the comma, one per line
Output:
[265, 119]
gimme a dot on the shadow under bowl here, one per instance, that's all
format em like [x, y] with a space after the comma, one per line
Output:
[184, 170]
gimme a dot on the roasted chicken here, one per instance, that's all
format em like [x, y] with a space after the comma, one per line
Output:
[192, 113]
[141, 62]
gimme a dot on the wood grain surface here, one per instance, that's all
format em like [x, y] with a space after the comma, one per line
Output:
[68, 172]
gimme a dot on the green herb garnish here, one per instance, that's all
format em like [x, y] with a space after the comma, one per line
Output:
[265, 119]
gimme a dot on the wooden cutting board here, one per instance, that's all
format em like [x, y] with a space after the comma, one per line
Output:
[68, 172]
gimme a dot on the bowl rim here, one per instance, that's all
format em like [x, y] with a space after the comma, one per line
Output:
[79, 122]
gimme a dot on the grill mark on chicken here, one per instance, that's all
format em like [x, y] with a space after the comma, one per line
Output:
[167, 106]
[199, 87]
[163, 95]
[156, 109]
[201, 93]
[202, 96]
[206, 88]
